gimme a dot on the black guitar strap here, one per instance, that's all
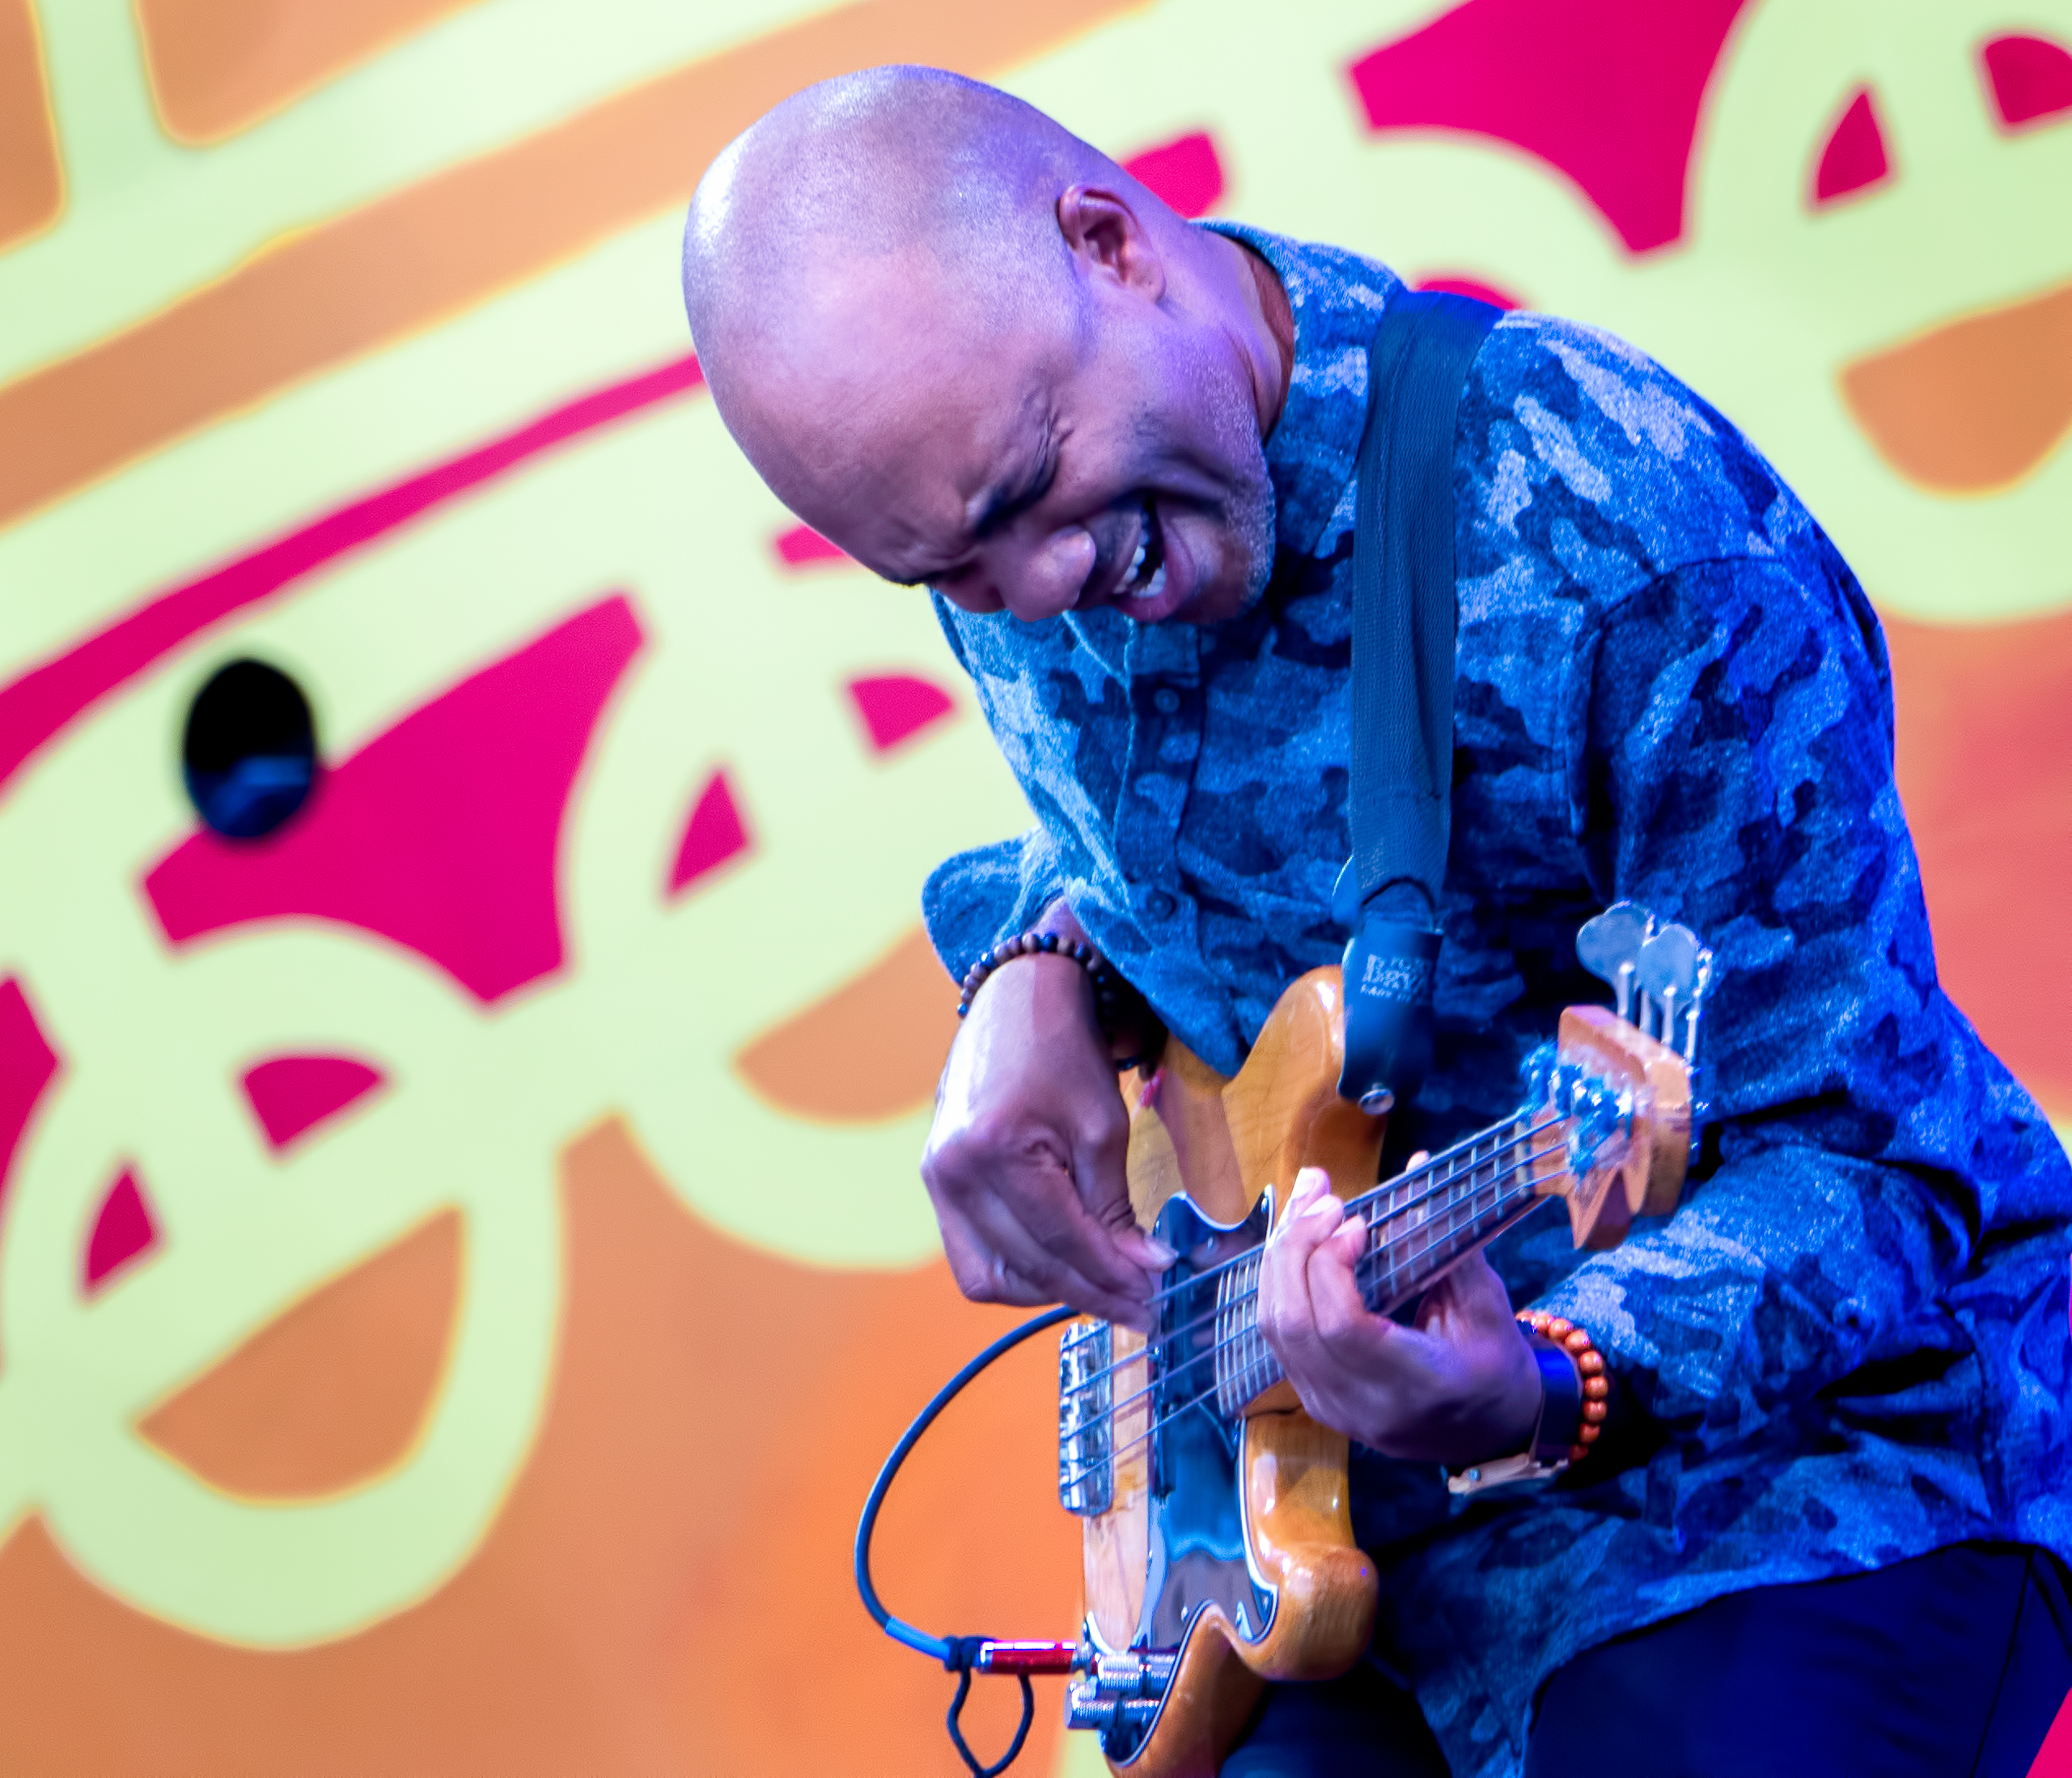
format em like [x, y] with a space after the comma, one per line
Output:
[1405, 615]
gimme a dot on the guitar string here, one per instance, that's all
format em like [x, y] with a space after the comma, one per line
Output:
[1501, 1215]
[1460, 1165]
[1222, 1345]
[1452, 1181]
[1168, 1338]
[1501, 1134]
[1518, 1200]
[1454, 1157]
[1373, 1254]
[1186, 1407]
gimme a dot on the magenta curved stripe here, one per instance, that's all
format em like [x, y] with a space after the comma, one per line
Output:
[1608, 91]
[37, 706]
[441, 833]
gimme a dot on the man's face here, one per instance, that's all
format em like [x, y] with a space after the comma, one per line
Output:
[1101, 450]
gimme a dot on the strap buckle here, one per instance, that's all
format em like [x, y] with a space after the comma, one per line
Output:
[1390, 968]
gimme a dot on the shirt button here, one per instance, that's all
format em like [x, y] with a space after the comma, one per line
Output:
[1165, 700]
[1160, 905]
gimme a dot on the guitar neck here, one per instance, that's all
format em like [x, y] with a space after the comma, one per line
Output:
[1426, 1221]
[1419, 1224]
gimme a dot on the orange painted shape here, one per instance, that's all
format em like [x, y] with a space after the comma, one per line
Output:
[218, 66]
[1985, 760]
[332, 1392]
[870, 1050]
[326, 295]
[667, 1588]
[1976, 404]
[31, 188]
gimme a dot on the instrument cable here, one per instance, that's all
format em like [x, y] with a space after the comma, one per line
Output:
[963, 1655]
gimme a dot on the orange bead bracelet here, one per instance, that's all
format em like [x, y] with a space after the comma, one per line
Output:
[1589, 1368]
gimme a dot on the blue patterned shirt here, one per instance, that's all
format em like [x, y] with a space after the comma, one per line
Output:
[1850, 1343]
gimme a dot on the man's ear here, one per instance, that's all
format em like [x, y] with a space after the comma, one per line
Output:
[1105, 235]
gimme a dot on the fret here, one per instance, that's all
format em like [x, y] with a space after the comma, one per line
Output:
[1418, 1225]
[1422, 1224]
[1245, 1365]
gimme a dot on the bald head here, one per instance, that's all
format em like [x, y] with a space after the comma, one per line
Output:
[895, 279]
[886, 168]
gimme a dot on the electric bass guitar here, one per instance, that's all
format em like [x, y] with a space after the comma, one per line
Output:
[1217, 1539]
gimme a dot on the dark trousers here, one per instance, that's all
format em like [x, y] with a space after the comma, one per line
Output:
[1950, 1666]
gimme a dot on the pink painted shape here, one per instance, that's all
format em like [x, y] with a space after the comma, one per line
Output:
[896, 706]
[713, 833]
[1471, 286]
[123, 1231]
[439, 834]
[28, 1065]
[2054, 1757]
[292, 1094]
[35, 707]
[2029, 78]
[803, 547]
[1854, 155]
[1606, 91]
[1186, 172]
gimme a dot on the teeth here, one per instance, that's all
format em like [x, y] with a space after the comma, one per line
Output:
[1131, 588]
[1156, 586]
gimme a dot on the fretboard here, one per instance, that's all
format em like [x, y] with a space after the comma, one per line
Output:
[1419, 1224]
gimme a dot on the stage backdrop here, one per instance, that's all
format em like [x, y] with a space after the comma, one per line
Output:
[461, 1259]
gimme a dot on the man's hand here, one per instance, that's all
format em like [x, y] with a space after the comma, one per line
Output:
[1460, 1387]
[1024, 1162]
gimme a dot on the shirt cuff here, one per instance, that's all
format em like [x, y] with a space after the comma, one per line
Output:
[973, 900]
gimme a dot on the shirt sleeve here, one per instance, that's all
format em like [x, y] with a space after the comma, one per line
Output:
[973, 900]
[1732, 767]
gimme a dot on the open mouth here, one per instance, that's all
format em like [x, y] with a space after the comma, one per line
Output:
[1144, 577]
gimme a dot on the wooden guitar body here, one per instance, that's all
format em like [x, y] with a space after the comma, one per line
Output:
[1277, 1591]
[1218, 1540]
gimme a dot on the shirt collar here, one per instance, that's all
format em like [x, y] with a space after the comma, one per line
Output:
[1337, 298]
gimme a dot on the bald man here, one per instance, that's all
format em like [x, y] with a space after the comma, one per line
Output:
[1119, 450]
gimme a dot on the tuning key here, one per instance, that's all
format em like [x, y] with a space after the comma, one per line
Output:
[1609, 946]
[1673, 970]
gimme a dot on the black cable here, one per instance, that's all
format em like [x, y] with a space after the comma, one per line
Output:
[956, 1653]
[1014, 1747]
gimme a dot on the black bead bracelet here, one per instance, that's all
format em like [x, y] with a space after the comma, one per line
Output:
[1114, 1000]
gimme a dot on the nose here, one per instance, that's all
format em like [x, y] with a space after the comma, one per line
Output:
[1040, 577]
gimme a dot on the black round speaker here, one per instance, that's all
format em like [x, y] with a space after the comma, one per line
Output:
[249, 753]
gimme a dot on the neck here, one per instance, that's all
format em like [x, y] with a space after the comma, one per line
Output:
[1269, 330]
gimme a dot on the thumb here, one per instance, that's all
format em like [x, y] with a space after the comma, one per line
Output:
[1101, 1173]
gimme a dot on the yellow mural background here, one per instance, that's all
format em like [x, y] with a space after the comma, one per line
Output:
[515, 1416]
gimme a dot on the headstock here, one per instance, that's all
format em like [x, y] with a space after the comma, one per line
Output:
[1624, 1082]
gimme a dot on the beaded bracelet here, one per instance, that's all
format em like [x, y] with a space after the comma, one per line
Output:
[1590, 1365]
[1110, 991]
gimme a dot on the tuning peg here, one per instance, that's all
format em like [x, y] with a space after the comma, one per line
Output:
[1674, 970]
[1609, 946]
